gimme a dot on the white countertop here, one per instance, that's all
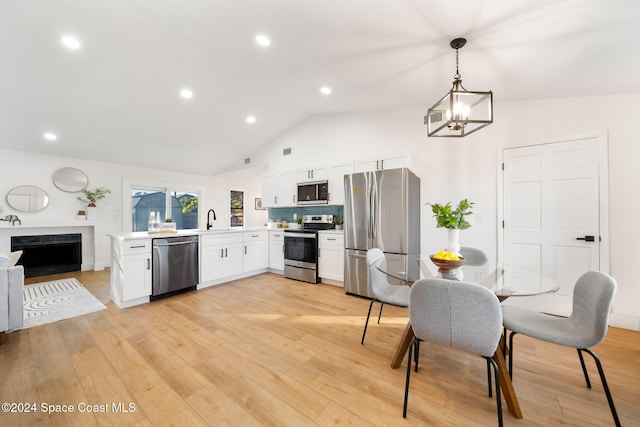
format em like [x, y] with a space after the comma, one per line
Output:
[192, 232]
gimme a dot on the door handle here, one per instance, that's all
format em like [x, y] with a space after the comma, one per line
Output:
[587, 238]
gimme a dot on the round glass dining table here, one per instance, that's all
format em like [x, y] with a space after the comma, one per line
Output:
[504, 281]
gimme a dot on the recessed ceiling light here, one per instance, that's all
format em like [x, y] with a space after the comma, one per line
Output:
[263, 40]
[50, 136]
[325, 90]
[71, 42]
[186, 93]
[250, 119]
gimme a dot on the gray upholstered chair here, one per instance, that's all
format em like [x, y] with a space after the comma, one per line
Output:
[473, 256]
[585, 327]
[11, 295]
[384, 292]
[455, 314]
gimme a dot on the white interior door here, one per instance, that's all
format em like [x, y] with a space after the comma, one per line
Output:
[551, 207]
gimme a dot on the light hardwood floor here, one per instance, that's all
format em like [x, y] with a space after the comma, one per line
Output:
[276, 352]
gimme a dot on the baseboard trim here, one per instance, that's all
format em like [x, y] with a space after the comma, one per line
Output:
[625, 321]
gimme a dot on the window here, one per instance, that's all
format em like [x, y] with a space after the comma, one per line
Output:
[181, 206]
[237, 208]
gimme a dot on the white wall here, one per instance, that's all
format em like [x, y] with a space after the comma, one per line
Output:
[21, 168]
[452, 169]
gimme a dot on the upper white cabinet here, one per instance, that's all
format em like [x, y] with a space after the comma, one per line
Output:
[270, 190]
[336, 173]
[287, 189]
[281, 190]
[384, 162]
[312, 174]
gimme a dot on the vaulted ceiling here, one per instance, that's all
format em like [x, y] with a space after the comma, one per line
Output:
[117, 97]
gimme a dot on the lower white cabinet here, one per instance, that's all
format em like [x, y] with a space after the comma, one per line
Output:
[331, 257]
[130, 271]
[255, 250]
[276, 250]
[221, 255]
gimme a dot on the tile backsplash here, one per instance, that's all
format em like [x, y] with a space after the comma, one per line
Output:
[287, 213]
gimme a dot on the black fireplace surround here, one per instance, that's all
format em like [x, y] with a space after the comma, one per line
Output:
[49, 254]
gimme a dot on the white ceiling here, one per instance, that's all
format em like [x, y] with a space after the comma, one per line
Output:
[116, 99]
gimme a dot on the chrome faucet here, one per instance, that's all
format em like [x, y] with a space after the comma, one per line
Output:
[209, 225]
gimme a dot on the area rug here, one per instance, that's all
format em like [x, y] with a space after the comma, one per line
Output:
[49, 302]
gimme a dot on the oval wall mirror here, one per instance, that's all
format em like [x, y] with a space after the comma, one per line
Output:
[27, 198]
[70, 180]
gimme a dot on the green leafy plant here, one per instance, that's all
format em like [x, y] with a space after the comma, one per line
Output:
[168, 220]
[448, 217]
[299, 220]
[91, 197]
[338, 220]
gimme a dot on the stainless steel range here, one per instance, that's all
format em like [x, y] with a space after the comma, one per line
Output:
[301, 248]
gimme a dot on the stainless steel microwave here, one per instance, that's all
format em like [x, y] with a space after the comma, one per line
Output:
[313, 193]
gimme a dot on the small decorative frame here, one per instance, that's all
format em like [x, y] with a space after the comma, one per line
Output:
[259, 206]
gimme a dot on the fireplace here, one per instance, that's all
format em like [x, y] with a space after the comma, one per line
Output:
[49, 254]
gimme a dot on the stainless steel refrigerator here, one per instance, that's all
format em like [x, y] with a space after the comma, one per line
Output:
[382, 210]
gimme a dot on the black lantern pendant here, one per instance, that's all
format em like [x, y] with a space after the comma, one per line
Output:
[460, 112]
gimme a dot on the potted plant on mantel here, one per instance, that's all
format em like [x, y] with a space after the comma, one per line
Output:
[453, 220]
[91, 197]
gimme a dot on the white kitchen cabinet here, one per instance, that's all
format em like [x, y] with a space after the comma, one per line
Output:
[255, 251]
[269, 190]
[312, 174]
[384, 162]
[221, 255]
[331, 257]
[336, 173]
[130, 271]
[287, 189]
[276, 251]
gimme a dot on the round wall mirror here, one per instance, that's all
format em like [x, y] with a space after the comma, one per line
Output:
[27, 198]
[70, 180]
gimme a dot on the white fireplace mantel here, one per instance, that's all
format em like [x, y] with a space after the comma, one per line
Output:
[90, 250]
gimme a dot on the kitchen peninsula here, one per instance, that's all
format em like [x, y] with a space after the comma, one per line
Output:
[222, 255]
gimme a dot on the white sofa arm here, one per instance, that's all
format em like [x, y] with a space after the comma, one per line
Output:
[16, 297]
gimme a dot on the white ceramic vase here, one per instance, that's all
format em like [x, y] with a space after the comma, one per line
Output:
[453, 234]
[92, 212]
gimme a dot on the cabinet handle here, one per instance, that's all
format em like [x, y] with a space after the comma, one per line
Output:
[136, 246]
[245, 249]
[382, 164]
[329, 238]
[275, 200]
[226, 255]
[148, 264]
[319, 253]
[377, 164]
[221, 253]
[255, 235]
[294, 198]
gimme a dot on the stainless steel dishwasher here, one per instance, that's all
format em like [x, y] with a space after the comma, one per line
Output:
[175, 265]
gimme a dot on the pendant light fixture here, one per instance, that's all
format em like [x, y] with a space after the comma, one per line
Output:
[460, 112]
